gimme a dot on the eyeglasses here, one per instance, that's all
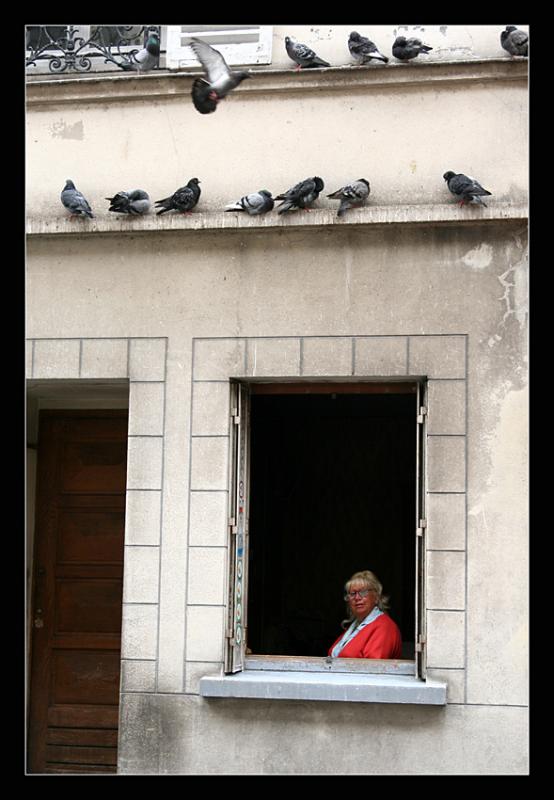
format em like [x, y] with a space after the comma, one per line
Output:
[359, 592]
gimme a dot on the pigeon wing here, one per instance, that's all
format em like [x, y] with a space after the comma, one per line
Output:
[213, 62]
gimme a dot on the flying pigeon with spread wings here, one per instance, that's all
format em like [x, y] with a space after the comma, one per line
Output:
[219, 80]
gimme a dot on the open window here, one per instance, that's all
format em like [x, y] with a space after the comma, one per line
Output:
[327, 479]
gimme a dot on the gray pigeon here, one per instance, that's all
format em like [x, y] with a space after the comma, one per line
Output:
[219, 80]
[183, 200]
[254, 204]
[352, 195]
[514, 41]
[405, 49]
[147, 58]
[74, 201]
[465, 188]
[302, 55]
[134, 202]
[302, 195]
[363, 50]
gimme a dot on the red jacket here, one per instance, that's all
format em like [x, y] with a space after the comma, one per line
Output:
[380, 639]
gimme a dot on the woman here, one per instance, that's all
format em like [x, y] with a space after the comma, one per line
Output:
[372, 633]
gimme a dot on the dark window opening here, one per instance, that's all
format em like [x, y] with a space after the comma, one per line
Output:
[332, 491]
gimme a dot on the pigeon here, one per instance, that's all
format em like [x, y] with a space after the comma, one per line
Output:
[405, 49]
[362, 50]
[514, 41]
[134, 202]
[147, 58]
[302, 55]
[219, 80]
[301, 195]
[183, 200]
[354, 194]
[254, 204]
[74, 201]
[465, 188]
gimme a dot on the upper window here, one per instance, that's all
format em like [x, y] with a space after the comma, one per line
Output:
[80, 49]
[327, 481]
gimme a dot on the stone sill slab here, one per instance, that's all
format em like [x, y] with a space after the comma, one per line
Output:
[230, 221]
[160, 84]
[265, 685]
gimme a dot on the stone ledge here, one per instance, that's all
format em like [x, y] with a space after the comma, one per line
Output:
[265, 685]
[164, 84]
[326, 218]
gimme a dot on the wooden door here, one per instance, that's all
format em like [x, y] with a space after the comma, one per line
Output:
[77, 594]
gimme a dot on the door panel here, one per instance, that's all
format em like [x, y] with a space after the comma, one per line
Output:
[77, 591]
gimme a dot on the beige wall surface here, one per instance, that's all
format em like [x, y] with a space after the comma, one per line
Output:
[151, 301]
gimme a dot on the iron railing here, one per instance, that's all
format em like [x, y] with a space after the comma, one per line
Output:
[64, 48]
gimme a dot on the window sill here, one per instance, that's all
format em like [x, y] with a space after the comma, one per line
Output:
[349, 688]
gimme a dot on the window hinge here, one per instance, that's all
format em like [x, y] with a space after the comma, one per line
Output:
[233, 524]
[420, 644]
[235, 416]
[421, 415]
[422, 526]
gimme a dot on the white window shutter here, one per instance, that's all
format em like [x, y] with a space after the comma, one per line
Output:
[238, 44]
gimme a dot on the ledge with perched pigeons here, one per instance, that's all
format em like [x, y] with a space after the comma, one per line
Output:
[161, 84]
[323, 218]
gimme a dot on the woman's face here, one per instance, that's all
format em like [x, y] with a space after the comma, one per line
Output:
[361, 606]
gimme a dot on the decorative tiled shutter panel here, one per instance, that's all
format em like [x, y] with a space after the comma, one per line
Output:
[238, 44]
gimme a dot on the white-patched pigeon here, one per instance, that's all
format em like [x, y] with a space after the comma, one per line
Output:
[301, 195]
[74, 201]
[363, 50]
[219, 80]
[134, 202]
[254, 204]
[465, 188]
[302, 55]
[147, 58]
[350, 196]
[514, 41]
[183, 200]
[405, 49]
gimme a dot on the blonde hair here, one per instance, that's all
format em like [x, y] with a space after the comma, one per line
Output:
[371, 582]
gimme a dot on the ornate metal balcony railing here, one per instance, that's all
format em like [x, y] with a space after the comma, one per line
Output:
[77, 48]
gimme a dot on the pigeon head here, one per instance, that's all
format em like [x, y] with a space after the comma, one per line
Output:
[318, 184]
[401, 40]
[265, 192]
[510, 28]
[355, 36]
[363, 180]
[448, 175]
[69, 184]
[195, 181]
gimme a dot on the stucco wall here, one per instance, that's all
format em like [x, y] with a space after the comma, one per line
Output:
[153, 294]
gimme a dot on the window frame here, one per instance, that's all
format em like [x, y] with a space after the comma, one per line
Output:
[236, 659]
